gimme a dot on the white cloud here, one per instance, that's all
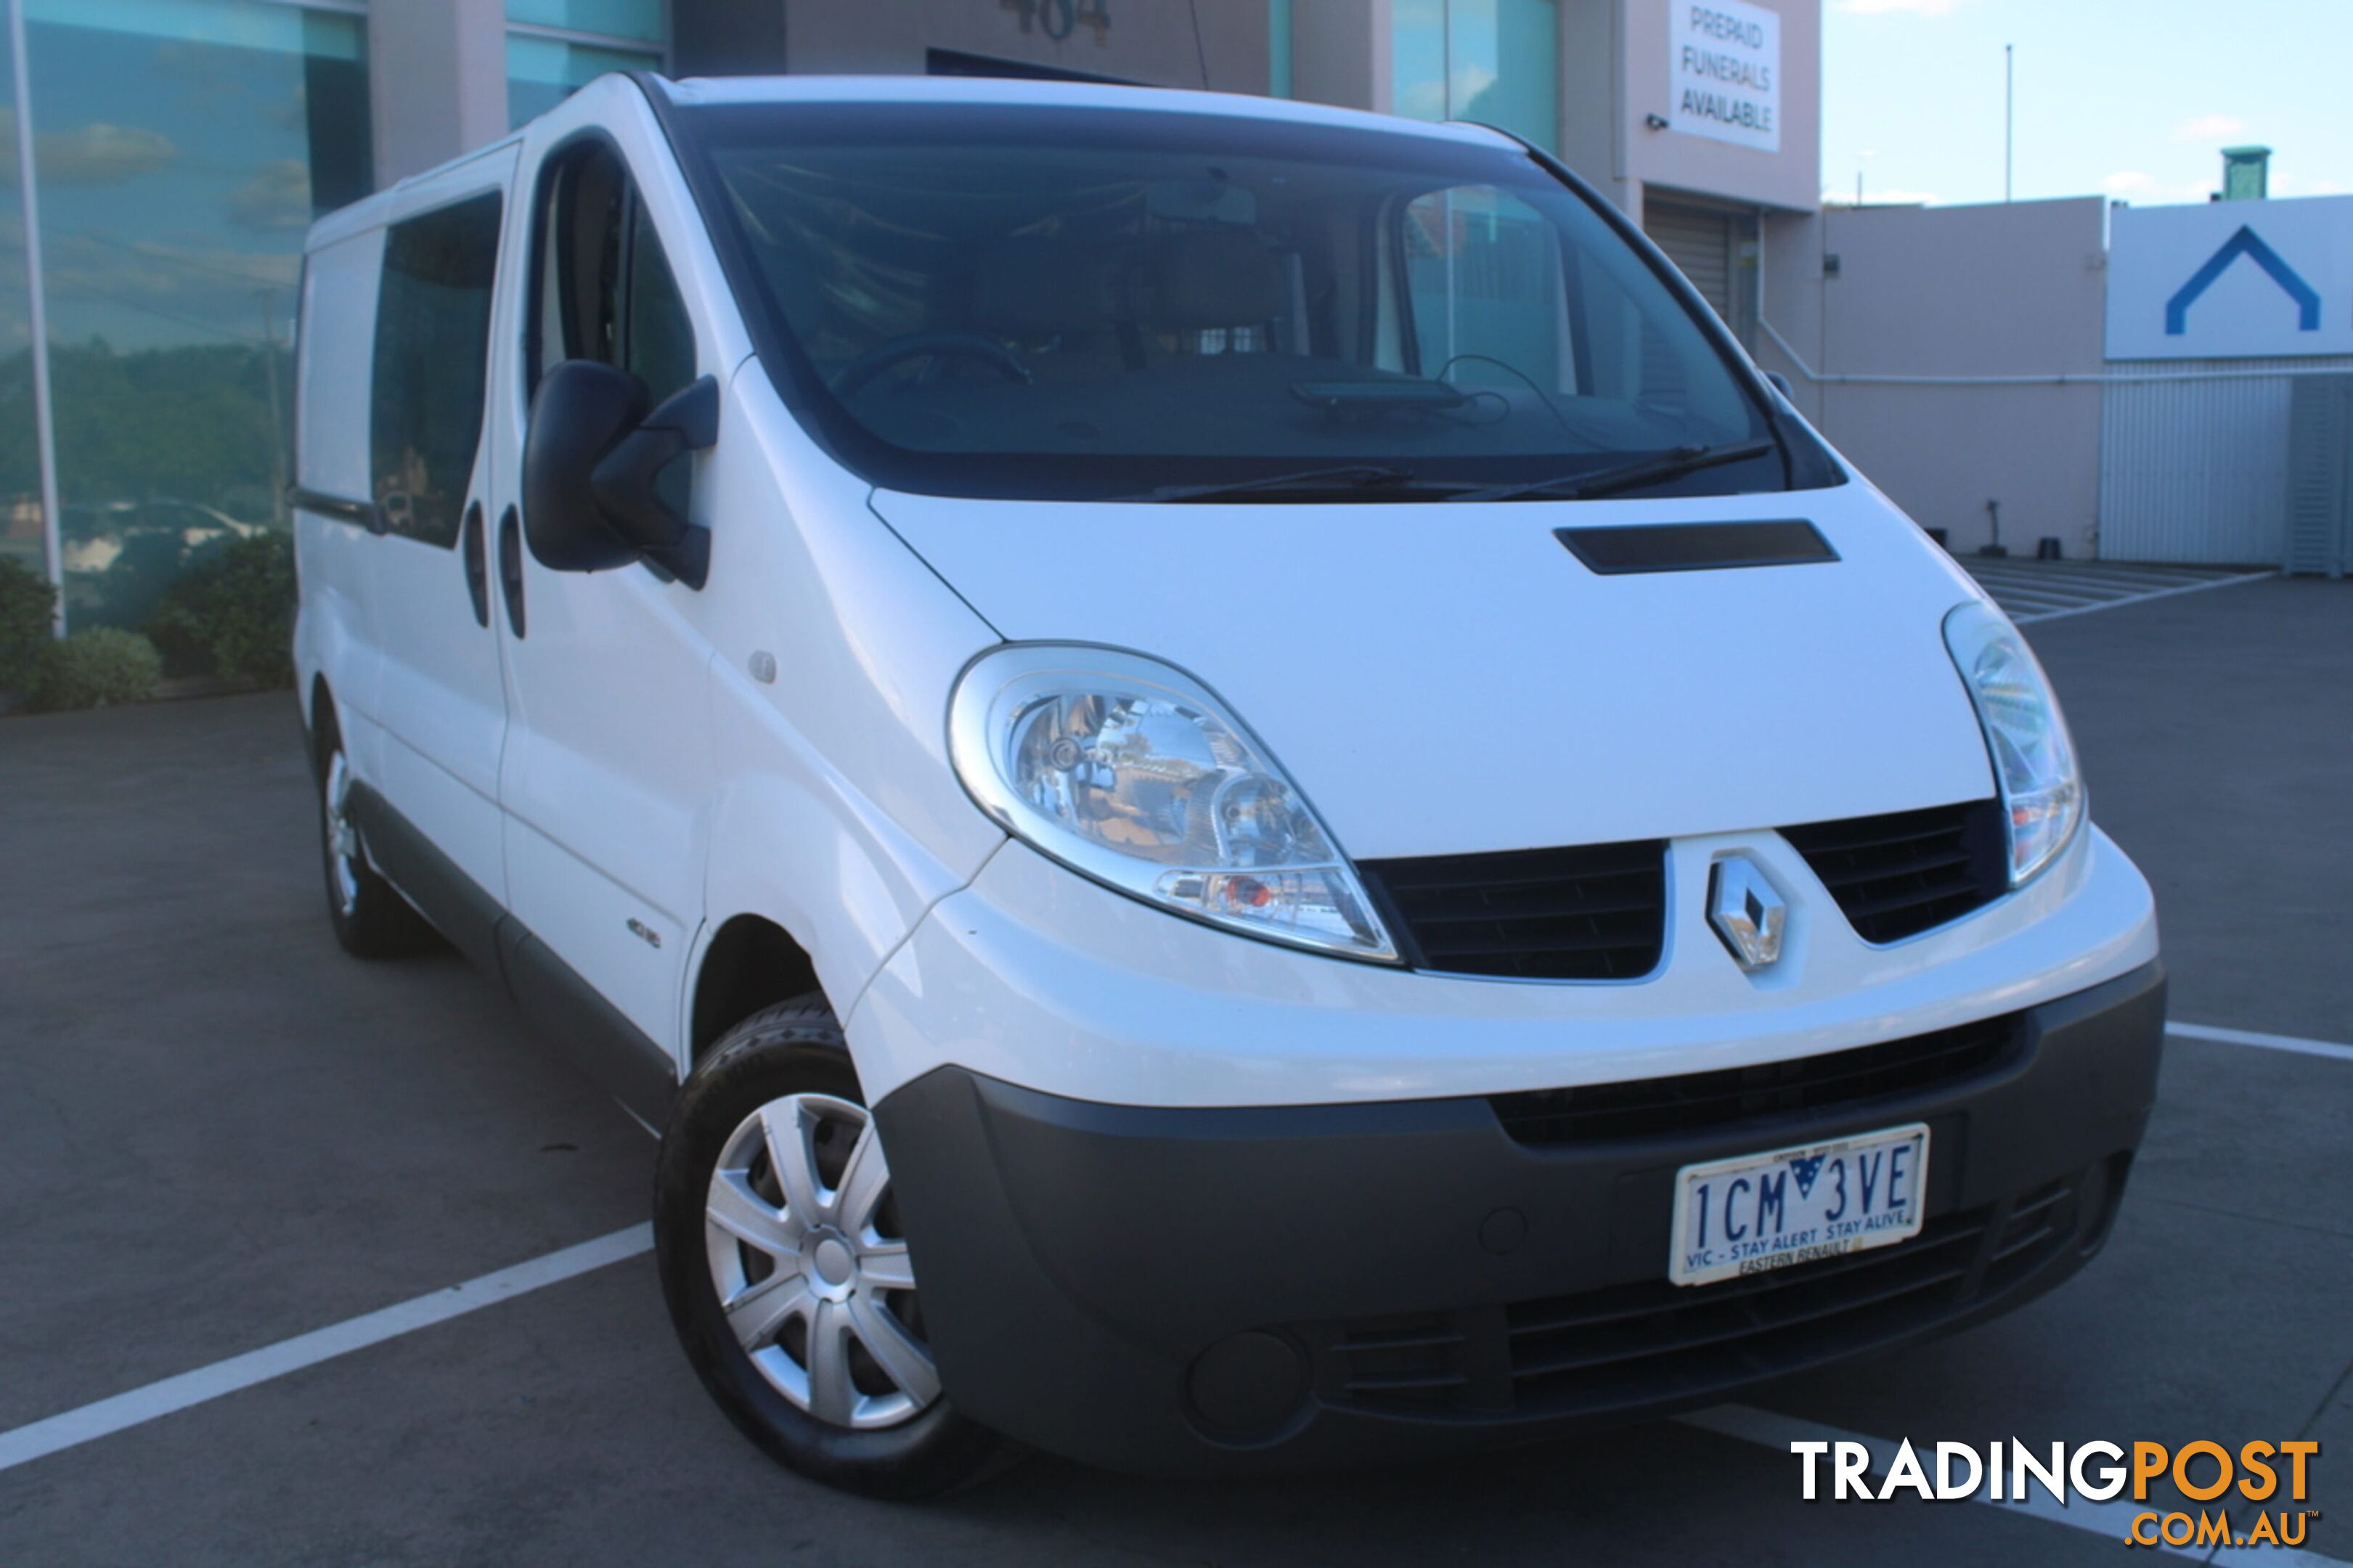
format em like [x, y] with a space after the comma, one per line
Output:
[277, 197]
[1907, 7]
[2138, 186]
[2288, 182]
[96, 153]
[2209, 128]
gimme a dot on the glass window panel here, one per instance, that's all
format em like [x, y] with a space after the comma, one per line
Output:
[976, 299]
[1494, 61]
[615, 18]
[1418, 58]
[237, 24]
[183, 148]
[1471, 62]
[432, 352]
[1523, 93]
[1278, 47]
[543, 72]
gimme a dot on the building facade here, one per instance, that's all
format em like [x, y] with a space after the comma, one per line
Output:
[170, 154]
[2138, 383]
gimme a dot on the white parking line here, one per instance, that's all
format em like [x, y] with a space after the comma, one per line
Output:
[2144, 598]
[2295, 1043]
[2114, 1519]
[2032, 590]
[139, 1406]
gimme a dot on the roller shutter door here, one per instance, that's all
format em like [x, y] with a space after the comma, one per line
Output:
[1700, 242]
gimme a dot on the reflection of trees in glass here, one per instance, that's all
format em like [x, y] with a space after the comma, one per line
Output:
[161, 452]
[181, 150]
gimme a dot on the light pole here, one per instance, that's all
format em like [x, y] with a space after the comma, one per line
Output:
[45, 434]
[2009, 115]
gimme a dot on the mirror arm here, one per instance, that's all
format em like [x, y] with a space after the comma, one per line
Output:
[624, 481]
[692, 411]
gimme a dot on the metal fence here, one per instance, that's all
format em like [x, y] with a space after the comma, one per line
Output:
[2193, 458]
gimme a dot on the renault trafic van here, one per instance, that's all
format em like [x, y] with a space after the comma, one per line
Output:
[1399, 855]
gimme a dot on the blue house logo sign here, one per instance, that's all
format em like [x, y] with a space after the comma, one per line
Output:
[2249, 244]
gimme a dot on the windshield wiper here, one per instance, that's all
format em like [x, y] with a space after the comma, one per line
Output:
[1673, 463]
[1347, 476]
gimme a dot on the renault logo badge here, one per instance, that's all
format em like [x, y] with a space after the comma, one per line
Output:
[1746, 912]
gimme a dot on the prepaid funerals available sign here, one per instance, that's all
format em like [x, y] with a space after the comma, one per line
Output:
[1726, 76]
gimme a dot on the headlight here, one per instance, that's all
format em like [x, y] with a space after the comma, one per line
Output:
[1123, 769]
[2034, 760]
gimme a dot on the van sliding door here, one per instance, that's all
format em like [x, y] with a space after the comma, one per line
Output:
[441, 698]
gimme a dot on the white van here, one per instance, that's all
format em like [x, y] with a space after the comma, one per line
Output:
[1399, 855]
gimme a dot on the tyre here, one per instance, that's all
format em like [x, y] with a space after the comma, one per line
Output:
[788, 1276]
[370, 917]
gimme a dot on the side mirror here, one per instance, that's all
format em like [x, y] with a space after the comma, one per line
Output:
[592, 498]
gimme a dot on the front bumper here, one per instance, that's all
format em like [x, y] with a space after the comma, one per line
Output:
[1187, 1289]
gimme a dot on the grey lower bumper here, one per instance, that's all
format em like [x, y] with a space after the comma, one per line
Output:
[1188, 1290]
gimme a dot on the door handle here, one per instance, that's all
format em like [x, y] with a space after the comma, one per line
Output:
[511, 568]
[477, 564]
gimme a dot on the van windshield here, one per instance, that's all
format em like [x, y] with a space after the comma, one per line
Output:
[1059, 301]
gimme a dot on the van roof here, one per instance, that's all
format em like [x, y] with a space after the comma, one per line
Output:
[372, 211]
[1032, 93]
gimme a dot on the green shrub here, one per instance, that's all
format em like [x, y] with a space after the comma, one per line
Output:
[27, 600]
[98, 669]
[236, 604]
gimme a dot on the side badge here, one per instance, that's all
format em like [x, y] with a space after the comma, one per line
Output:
[1746, 912]
[645, 934]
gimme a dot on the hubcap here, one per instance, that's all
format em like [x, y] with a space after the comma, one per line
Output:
[343, 838]
[833, 1260]
[809, 1267]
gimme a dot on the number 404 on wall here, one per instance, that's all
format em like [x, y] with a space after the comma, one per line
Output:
[1058, 19]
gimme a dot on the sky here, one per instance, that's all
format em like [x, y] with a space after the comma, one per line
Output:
[2130, 99]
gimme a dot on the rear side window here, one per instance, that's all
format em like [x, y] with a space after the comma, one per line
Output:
[432, 347]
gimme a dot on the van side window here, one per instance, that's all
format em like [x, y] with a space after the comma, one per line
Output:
[606, 291]
[658, 344]
[432, 348]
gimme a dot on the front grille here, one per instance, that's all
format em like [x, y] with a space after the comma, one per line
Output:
[1593, 912]
[1644, 1108]
[1899, 875]
[1408, 1360]
[1615, 1346]
[1650, 1341]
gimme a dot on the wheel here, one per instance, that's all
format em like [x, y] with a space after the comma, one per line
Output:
[788, 1276]
[371, 919]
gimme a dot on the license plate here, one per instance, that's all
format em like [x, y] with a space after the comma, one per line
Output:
[1758, 1212]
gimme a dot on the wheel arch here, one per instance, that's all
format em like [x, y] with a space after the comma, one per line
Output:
[320, 708]
[750, 963]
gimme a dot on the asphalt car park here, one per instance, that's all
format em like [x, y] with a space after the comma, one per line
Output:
[218, 1135]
